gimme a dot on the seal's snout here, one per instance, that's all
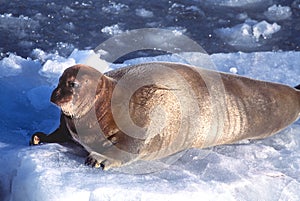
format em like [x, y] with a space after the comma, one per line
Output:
[60, 96]
[55, 94]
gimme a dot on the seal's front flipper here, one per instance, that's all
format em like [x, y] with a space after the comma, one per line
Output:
[60, 135]
[37, 138]
[56, 137]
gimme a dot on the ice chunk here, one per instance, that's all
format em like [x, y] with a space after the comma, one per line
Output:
[90, 58]
[265, 29]
[44, 57]
[277, 13]
[115, 8]
[80, 56]
[40, 54]
[242, 16]
[11, 65]
[54, 68]
[112, 30]
[17, 24]
[144, 13]
[55, 65]
[233, 70]
[249, 35]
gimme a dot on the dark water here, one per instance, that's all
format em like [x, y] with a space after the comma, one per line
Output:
[55, 25]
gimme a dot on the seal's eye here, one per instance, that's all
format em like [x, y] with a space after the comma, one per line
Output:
[73, 84]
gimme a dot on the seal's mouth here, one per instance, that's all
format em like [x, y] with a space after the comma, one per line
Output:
[78, 109]
[68, 110]
[60, 96]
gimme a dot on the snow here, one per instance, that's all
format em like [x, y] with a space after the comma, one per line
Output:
[248, 170]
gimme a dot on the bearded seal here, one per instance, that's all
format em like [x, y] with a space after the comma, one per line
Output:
[153, 110]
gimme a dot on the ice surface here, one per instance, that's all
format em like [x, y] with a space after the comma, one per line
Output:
[249, 170]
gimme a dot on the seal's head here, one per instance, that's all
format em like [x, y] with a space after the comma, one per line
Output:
[77, 90]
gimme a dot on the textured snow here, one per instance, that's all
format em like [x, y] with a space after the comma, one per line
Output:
[249, 170]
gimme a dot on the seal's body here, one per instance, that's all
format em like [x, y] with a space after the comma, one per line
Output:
[150, 111]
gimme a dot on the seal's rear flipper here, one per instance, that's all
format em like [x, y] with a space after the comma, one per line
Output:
[297, 87]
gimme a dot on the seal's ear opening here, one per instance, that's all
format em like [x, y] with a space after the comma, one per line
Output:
[297, 87]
